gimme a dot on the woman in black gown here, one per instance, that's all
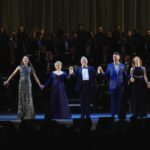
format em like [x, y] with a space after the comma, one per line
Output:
[58, 98]
[139, 82]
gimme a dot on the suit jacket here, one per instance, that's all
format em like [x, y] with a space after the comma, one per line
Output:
[116, 80]
[92, 79]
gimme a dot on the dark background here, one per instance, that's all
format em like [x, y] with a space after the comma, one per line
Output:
[37, 14]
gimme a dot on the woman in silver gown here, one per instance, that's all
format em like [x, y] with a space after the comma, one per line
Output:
[25, 100]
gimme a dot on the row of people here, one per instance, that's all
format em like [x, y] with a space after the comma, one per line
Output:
[85, 84]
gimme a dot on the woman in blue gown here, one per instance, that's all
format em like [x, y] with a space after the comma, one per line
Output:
[58, 98]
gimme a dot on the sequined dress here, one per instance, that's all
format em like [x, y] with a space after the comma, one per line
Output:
[25, 100]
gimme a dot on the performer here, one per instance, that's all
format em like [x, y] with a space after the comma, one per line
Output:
[58, 98]
[116, 73]
[85, 84]
[25, 100]
[139, 82]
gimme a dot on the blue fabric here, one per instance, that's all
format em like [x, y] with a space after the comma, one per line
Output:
[116, 80]
[58, 98]
[116, 86]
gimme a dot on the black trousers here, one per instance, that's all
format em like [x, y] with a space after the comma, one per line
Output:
[86, 99]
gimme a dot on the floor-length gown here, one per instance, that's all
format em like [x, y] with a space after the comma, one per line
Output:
[25, 100]
[139, 92]
[58, 98]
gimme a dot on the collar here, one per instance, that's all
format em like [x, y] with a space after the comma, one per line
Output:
[116, 63]
[85, 67]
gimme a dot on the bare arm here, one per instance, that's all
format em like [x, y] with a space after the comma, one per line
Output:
[145, 75]
[131, 75]
[36, 78]
[12, 75]
[131, 72]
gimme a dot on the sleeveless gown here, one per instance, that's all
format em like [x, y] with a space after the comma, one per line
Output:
[25, 100]
[139, 92]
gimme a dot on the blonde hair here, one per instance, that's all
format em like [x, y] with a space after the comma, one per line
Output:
[58, 63]
[22, 60]
[133, 62]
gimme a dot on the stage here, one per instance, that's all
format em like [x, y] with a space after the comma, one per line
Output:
[68, 122]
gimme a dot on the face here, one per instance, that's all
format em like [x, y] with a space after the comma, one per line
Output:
[84, 62]
[109, 34]
[34, 34]
[25, 60]
[116, 57]
[118, 27]
[42, 31]
[137, 60]
[127, 58]
[148, 33]
[75, 35]
[21, 29]
[14, 34]
[2, 29]
[81, 27]
[58, 66]
[129, 33]
[100, 29]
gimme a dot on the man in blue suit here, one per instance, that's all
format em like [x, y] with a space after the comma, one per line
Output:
[85, 84]
[116, 73]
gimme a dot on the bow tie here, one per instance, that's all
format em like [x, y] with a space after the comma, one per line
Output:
[85, 67]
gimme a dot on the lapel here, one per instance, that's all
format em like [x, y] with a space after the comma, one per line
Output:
[89, 71]
[113, 67]
[120, 66]
[80, 70]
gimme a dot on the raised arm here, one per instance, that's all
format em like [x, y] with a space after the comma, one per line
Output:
[71, 73]
[100, 70]
[11, 76]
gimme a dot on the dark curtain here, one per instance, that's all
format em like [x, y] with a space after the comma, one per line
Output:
[36, 14]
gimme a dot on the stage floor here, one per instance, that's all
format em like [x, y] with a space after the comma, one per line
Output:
[68, 122]
[95, 116]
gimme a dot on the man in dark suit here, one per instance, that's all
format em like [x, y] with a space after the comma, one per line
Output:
[116, 73]
[85, 85]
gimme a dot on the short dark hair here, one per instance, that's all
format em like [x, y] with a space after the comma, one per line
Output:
[116, 53]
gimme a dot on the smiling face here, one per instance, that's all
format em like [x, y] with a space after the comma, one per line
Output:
[137, 61]
[116, 58]
[25, 60]
[84, 61]
[58, 65]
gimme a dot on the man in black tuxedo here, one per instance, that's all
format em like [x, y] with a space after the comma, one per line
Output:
[85, 84]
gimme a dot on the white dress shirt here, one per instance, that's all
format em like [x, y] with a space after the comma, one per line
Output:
[85, 74]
